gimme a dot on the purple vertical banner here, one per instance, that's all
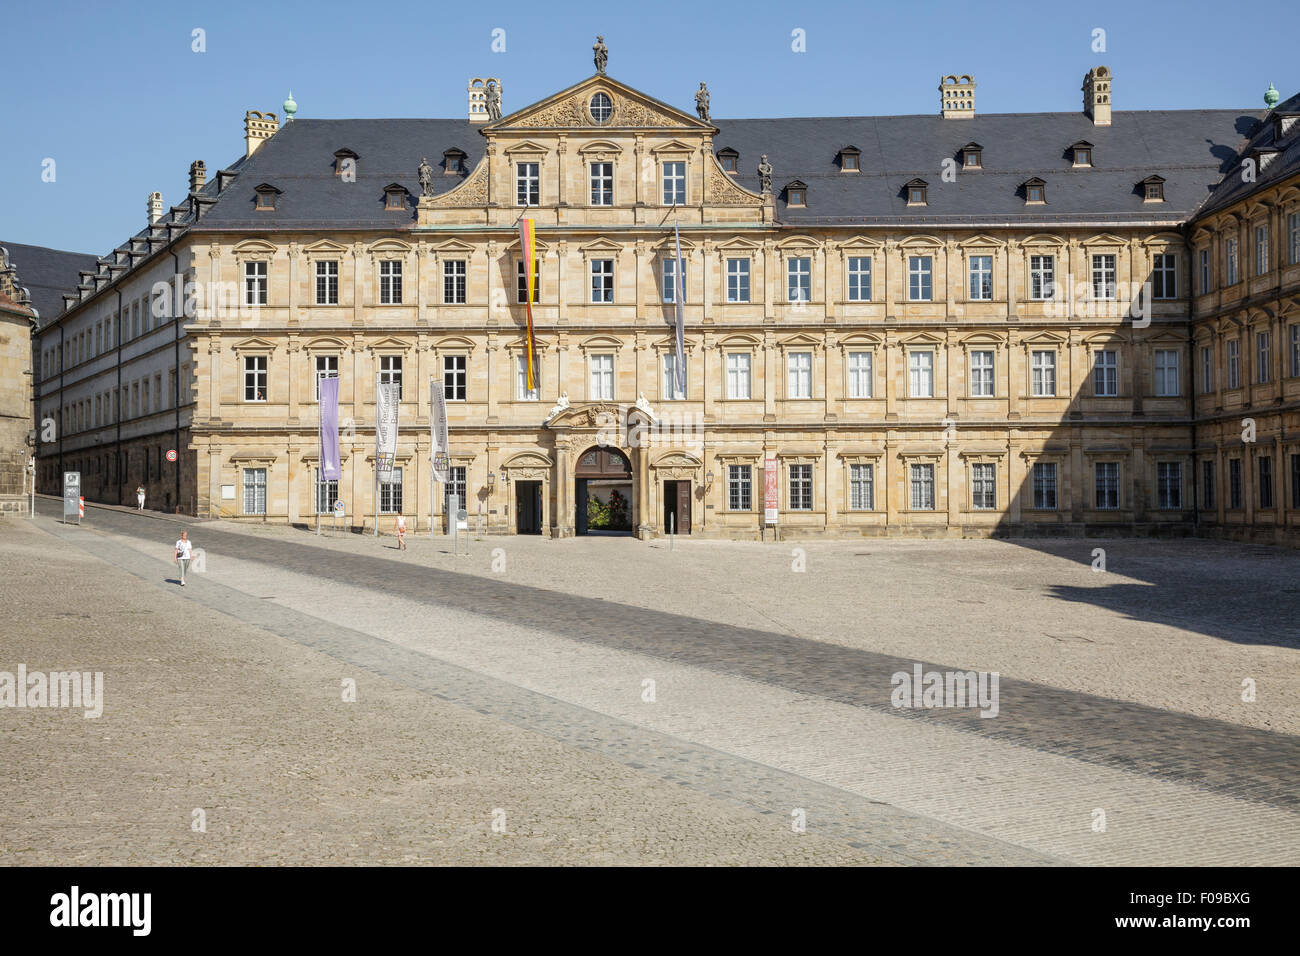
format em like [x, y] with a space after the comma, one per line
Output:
[329, 430]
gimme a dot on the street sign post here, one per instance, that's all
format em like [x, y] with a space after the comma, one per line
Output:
[338, 513]
[71, 496]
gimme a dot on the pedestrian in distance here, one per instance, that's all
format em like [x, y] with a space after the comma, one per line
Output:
[401, 532]
[184, 551]
[139, 497]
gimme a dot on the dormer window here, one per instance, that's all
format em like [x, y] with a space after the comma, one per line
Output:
[1081, 153]
[345, 161]
[266, 194]
[1153, 189]
[850, 159]
[453, 162]
[395, 196]
[916, 192]
[972, 156]
[796, 194]
[1035, 192]
[729, 159]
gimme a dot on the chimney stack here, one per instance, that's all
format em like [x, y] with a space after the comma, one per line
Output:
[1096, 95]
[155, 207]
[258, 128]
[478, 98]
[198, 175]
[957, 96]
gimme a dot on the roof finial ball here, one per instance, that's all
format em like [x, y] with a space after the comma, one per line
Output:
[1271, 96]
[290, 107]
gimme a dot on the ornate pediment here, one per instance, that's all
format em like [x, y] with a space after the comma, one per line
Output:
[625, 108]
[585, 415]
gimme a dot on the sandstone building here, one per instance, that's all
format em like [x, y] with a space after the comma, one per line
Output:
[963, 323]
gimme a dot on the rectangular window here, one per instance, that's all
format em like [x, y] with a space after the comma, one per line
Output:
[919, 278]
[390, 282]
[1042, 277]
[390, 493]
[920, 374]
[1207, 369]
[254, 288]
[983, 487]
[740, 489]
[798, 375]
[254, 378]
[860, 375]
[669, 289]
[860, 279]
[522, 391]
[1261, 250]
[675, 183]
[528, 189]
[1166, 362]
[453, 377]
[862, 487]
[1169, 485]
[738, 375]
[1234, 364]
[801, 488]
[602, 377]
[1295, 350]
[390, 372]
[1043, 374]
[1234, 482]
[602, 280]
[981, 374]
[922, 487]
[1164, 276]
[1293, 233]
[1295, 481]
[981, 278]
[327, 283]
[602, 184]
[254, 491]
[453, 281]
[327, 366]
[455, 486]
[1230, 259]
[1105, 373]
[1263, 357]
[521, 282]
[737, 280]
[1045, 486]
[327, 492]
[1205, 272]
[1107, 475]
[670, 391]
[799, 279]
[1103, 277]
[1264, 469]
[1207, 484]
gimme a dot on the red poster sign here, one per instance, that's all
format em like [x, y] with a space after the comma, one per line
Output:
[771, 493]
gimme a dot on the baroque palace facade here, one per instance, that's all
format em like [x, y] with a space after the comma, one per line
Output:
[950, 324]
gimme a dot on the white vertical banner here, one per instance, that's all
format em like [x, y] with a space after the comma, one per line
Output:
[438, 443]
[385, 426]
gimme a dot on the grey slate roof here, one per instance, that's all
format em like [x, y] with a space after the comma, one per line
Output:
[47, 274]
[1233, 187]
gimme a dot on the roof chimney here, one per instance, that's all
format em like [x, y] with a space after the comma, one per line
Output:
[258, 127]
[957, 96]
[198, 175]
[479, 107]
[1096, 95]
[155, 207]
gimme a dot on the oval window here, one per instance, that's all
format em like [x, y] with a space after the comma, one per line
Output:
[602, 108]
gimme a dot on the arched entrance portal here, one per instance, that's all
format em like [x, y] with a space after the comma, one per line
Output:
[603, 492]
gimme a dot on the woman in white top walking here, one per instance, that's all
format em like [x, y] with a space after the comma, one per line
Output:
[401, 532]
[139, 497]
[184, 551]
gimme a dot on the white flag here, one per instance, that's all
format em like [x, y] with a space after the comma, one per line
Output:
[438, 444]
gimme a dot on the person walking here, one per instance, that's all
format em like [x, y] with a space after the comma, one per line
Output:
[184, 551]
[401, 532]
[139, 497]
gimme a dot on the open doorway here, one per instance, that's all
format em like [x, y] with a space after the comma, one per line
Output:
[528, 507]
[602, 493]
[677, 507]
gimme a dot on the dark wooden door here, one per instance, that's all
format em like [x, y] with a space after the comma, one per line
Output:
[683, 507]
[528, 507]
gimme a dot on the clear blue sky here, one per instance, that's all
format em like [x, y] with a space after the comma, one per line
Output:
[116, 96]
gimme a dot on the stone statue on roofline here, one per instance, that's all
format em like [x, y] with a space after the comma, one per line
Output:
[702, 102]
[764, 174]
[425, 172]
[601, 54]
[493, 100]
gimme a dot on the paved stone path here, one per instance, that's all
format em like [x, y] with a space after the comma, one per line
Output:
[1033, 776]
